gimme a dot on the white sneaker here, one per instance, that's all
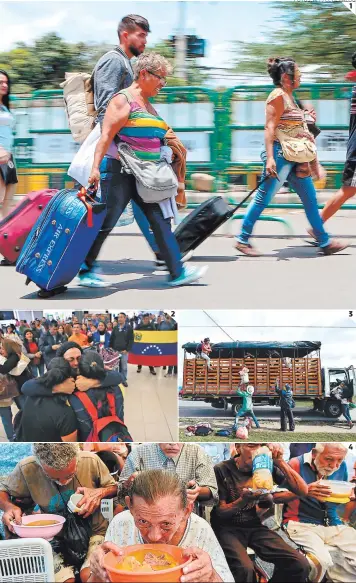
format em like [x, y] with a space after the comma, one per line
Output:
[161, 265]
[190, 274]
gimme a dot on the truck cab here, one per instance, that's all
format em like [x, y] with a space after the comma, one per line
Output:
[331, 378]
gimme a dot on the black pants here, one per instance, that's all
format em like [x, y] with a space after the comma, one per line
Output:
[117, 190]
[290, 565]
[139, 367]
[287, 414]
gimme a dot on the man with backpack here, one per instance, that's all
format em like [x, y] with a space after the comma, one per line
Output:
[113, 72]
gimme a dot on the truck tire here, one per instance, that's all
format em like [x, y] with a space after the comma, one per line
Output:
[235, 407]
[332, 408]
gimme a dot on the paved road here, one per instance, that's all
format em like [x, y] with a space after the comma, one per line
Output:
[290, 274]
[201, 409]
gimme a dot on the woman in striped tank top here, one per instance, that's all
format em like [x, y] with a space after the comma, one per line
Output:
[285, 120]
[131, 118]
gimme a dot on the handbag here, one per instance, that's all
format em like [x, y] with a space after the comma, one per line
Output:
[298, 150]
[155, 181]
[8, 387]
[20, 367]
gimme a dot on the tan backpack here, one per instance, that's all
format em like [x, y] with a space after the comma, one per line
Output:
[78, 98]
[78, 95]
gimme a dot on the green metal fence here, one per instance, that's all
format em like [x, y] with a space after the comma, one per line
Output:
[223, 131]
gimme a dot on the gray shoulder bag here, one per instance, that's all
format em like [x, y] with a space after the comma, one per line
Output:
[155, 181]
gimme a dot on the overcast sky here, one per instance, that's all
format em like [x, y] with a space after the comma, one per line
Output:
[333, 328]
[218, 22]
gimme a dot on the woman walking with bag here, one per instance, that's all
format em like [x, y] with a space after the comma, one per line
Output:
[8, 176]
[290, 147]
[132, 122]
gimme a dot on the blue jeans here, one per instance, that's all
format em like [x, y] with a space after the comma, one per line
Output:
[117, 189]
[6, 418]
[123, 365]
[346, 412]
[245, 413]
[144, 226]
[304, 187]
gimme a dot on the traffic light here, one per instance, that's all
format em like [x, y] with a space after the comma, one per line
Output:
[195, 46]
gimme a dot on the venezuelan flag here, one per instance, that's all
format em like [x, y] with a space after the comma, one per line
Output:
[154, 348]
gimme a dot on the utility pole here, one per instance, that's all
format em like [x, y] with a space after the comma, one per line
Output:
[181, 43]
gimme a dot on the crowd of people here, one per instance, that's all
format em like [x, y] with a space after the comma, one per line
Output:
[198, 497]
[46, 365]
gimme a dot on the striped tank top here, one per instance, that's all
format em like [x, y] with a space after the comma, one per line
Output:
[144, 131]
[292, 122]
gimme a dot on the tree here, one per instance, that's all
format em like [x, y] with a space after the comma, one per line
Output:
[314, 33]
[43, 65]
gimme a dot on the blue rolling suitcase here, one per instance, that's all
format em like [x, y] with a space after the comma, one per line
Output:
[60, 240]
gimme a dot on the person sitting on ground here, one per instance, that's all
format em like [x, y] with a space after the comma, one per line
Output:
[246, 409]
[286, 404]
[312, 522]
[50, 418]
[159, 512]
[236, 519]
[188, 460]
[105, 400]
[49, 478]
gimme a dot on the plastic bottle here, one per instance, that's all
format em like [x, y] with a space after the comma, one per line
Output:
[262, 468]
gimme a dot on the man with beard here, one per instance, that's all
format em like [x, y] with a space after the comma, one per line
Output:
[113, 72]
[236, 520]
[314, 523]
[72, 352]
[47, 480]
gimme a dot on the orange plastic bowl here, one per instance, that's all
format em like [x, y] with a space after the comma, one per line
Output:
[172, 575]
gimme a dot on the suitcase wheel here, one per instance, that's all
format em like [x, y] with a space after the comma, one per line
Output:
[44, 293]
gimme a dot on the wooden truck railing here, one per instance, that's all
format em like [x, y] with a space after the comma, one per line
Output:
[304, 375]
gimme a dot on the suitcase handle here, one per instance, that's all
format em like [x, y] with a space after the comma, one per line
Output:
[251, 193]
[84, 196]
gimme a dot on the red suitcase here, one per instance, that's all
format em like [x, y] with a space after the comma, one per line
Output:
[15, 228]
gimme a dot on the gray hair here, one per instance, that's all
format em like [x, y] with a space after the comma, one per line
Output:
[152, 62]
[151, 485]
[55, 455]
[319, 447]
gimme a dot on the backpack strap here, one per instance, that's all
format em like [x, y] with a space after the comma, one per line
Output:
[111, 400]
[89, 406]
